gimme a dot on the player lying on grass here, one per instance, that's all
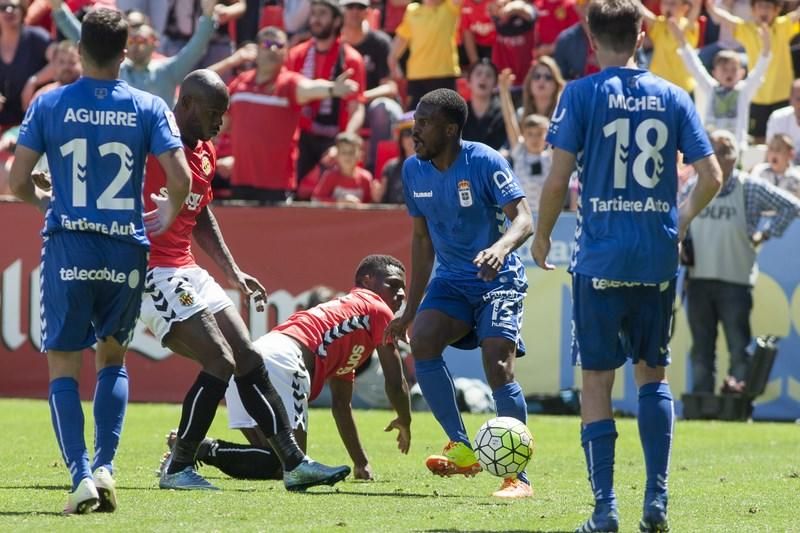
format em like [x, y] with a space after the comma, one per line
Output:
[325, 343]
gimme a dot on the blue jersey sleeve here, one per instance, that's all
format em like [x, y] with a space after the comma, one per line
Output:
[413, 210]
[692, 137]
[567, 125]
[164, 132]
[503, 187]
[31, 131]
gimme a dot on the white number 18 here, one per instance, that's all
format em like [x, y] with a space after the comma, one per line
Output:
[647, 151]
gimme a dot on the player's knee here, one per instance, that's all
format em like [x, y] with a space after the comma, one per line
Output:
[247, 359]
[425, 346]
[221, 367]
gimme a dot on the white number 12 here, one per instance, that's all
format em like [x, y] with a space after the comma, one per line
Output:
[107, 199]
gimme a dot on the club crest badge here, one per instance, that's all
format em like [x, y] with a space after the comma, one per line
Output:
[464, 193]
[185, 299]
[205, 162]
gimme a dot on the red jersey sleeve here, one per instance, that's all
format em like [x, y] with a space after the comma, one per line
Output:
[323, 192]
[154, 180]
[366, 185]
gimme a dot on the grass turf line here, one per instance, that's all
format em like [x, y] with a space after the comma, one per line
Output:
[725, 477]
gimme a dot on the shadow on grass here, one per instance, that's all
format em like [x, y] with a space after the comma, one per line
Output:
[30, 513]
[392, 494]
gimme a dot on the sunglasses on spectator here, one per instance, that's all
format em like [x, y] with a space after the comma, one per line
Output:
[269, 43]
[140, 40]
[359, 7]
[542, 76]
[405, 132]
[9, 8]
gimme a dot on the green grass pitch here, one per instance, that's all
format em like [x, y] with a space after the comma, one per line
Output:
[726, 477]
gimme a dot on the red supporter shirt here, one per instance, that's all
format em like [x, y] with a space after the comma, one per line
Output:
[333, 186]
[342, 334]
[475, 17]
[264, 120]
[393, 16]
[554, 16]
[174, 248]
[323, 67]
[514, 52]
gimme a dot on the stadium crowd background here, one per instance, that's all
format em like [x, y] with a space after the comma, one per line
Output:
[286, 141]
[509, 58]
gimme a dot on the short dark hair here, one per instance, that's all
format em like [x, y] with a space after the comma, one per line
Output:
[104, 34]
[377, 264]
[483, 62]
[616, 24]
[450, 104]
[778, 3]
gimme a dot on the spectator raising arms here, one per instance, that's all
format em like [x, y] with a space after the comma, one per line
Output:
[325, 56]
[271, 94]
[665, 62]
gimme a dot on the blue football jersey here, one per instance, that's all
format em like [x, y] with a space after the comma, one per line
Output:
[463, 206]
[625, 127]
[96, 135]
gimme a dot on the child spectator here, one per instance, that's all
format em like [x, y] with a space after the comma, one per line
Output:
[530, 156]
[485, 118]
[723, 101]
[389, 188]
[346, 183]
[774, 92]
[665, 61]
[779, 169]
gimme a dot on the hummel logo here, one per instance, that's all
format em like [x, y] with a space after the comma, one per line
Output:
[423, 194]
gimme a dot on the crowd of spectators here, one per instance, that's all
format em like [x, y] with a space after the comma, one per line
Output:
[310, 77]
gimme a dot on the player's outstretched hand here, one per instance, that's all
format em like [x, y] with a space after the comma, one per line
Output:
[41, 180]
[159, 219]
[343, 86]
[403, 434]
[397, 330]
[489, 263]
[539, 251]
[252, 288]
[363, 472]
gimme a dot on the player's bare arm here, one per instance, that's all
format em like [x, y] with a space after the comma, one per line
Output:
[709, 180]
[553, 192]
[209, 238]
[491, 260]
[179, 183]
[21, 181]
[422, 257]
[397, 392]
[319, 89]
[342, 410]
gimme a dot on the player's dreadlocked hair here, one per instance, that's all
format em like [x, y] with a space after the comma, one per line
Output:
[377, 264]
[450, 104]
[615, 24]
[104, 34]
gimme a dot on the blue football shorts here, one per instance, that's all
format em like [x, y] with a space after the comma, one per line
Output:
[615, 321]
[492, 309]
[91, 289]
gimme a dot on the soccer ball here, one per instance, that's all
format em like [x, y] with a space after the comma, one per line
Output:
[504, 445]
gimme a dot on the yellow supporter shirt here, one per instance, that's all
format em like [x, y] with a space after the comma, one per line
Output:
[666, 62]
[431, 35]
[778, 79]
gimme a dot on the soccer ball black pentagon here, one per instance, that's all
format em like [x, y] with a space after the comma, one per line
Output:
[504, 445]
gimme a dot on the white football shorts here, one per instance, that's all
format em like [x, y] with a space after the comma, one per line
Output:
[175, 294]
[287, 372]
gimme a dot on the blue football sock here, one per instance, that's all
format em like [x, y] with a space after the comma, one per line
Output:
[110, 401]
[66, 414]
[598, 440]
[509, 401]
[656, 415]
[437, 386]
